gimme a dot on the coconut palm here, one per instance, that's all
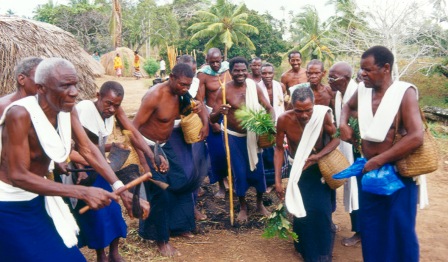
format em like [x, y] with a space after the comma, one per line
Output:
[311, 35]
[225, 24]
[116, 23]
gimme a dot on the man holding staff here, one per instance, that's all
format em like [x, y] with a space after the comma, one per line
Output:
[247, 164]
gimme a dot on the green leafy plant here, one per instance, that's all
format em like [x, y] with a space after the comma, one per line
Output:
[277, 224]
[353, 123]
[151, 67]
[259, 122]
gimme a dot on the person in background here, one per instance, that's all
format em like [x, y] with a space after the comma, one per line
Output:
[118, 65]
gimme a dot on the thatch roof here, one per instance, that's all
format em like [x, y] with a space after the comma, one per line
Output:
[127, 57]
[20, 38]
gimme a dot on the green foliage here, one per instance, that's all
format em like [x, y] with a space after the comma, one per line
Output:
[259, 122]
[224, 25]
[278, 225]
[438, 130]
[126, 64]
[353, 123]
[151, 67]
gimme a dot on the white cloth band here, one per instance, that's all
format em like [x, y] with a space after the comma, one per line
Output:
[118, 184]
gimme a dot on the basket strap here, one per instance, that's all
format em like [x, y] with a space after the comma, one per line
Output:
[422, 116]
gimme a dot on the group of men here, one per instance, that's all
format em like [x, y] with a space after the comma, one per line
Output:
[306, 113]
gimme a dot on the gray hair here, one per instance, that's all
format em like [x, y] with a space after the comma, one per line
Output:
[343, 67]
[48, 67]
[187, 59]
[302, 94]
[26, 65]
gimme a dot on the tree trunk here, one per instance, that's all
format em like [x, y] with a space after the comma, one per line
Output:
[118, 25]
[225, 52]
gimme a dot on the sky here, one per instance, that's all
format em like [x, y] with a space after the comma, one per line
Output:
[26, 7]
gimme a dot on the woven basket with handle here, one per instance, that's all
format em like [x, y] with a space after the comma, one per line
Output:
[191, 126]
[264, 141]
[333, 163]
[424, 159]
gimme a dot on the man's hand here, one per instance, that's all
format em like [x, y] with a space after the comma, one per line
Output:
[280, 191]
[372, 164]
[197, 106]
[82, 176]
[311, 160]
[224, 109]
[126, 197]
[347, 133]
[163, 167]
[60, 168]
[203, 133]
[145, 208]
[97, 198]
[216, 128]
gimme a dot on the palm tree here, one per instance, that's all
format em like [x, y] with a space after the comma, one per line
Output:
[224, 24]
[116, 23]
[311, 35]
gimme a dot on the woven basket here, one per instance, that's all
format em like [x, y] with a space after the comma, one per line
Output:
[423, 160]
[264, 141]
[191, 126]
[333, 163]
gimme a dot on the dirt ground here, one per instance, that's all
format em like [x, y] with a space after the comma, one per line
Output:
[216, 240]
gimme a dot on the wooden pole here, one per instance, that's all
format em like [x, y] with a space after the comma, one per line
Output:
[226, 142]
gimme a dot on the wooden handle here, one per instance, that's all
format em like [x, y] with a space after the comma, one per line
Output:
[143, 178]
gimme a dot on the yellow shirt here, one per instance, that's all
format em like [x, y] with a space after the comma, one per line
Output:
[117, 62]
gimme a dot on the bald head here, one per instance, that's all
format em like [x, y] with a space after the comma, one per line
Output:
[213, 52]
[343, 69]
[214, 58]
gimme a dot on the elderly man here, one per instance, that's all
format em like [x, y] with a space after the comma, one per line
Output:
[24, 75]
[340, 80]
[246, 162]
[295, 75]
[387, 222]
[98, 119]
[255, 67]
[211, 77]
[172, 210]
[307, 126]
[36, 130]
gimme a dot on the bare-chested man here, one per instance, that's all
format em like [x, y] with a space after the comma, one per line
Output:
[307, 126]
[37, 130]
[295, 75]
[255, 69]
[211, 77]
[387, 222]
[247, 164]
[155, 119]
[24, 75]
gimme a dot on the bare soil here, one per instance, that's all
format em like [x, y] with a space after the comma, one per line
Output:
[216, 240]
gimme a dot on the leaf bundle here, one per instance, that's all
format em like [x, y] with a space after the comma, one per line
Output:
[259, 122]
[277, 224]
[353, 123]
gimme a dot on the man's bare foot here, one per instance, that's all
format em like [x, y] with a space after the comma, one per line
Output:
[351, 241]
[115, 258]
[221, 194]
[262, 209]
[242, 215]
[226, 183]
[167, 250]
[114, 255]
[269, 189]
[198, 215]
[187, 234]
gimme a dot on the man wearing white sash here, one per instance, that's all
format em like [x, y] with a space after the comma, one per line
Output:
[308, 198]
[340, 80]
[36, 130]
[387, 222]
[246, 162]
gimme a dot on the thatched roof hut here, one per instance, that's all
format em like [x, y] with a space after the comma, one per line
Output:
[127, 57]
[20, 38]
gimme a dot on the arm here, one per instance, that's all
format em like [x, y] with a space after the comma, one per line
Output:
[412, 123]
[218, 108]
[328, 129]
[201, 110]
[18, 161]
[93, 156]
[348, 109]
[201, 89]
[136, 138]
[279, 155]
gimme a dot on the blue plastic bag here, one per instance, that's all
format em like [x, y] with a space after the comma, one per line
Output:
[354, 170]
[382, 181]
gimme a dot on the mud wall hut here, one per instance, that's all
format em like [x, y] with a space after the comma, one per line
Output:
[20, 38]
[127, 58]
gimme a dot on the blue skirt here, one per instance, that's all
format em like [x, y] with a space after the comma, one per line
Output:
[218, 160]
[27, 233]
[268, 165]
[172, 210]
[242, 175]
[99, 228]
[388, 224]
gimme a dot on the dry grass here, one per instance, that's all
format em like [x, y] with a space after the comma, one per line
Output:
[22, 38]
[127, 57]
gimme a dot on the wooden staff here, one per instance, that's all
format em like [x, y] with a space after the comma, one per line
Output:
[133, 183]
[226, 142]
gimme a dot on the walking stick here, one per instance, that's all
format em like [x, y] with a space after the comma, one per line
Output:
[226, 142]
